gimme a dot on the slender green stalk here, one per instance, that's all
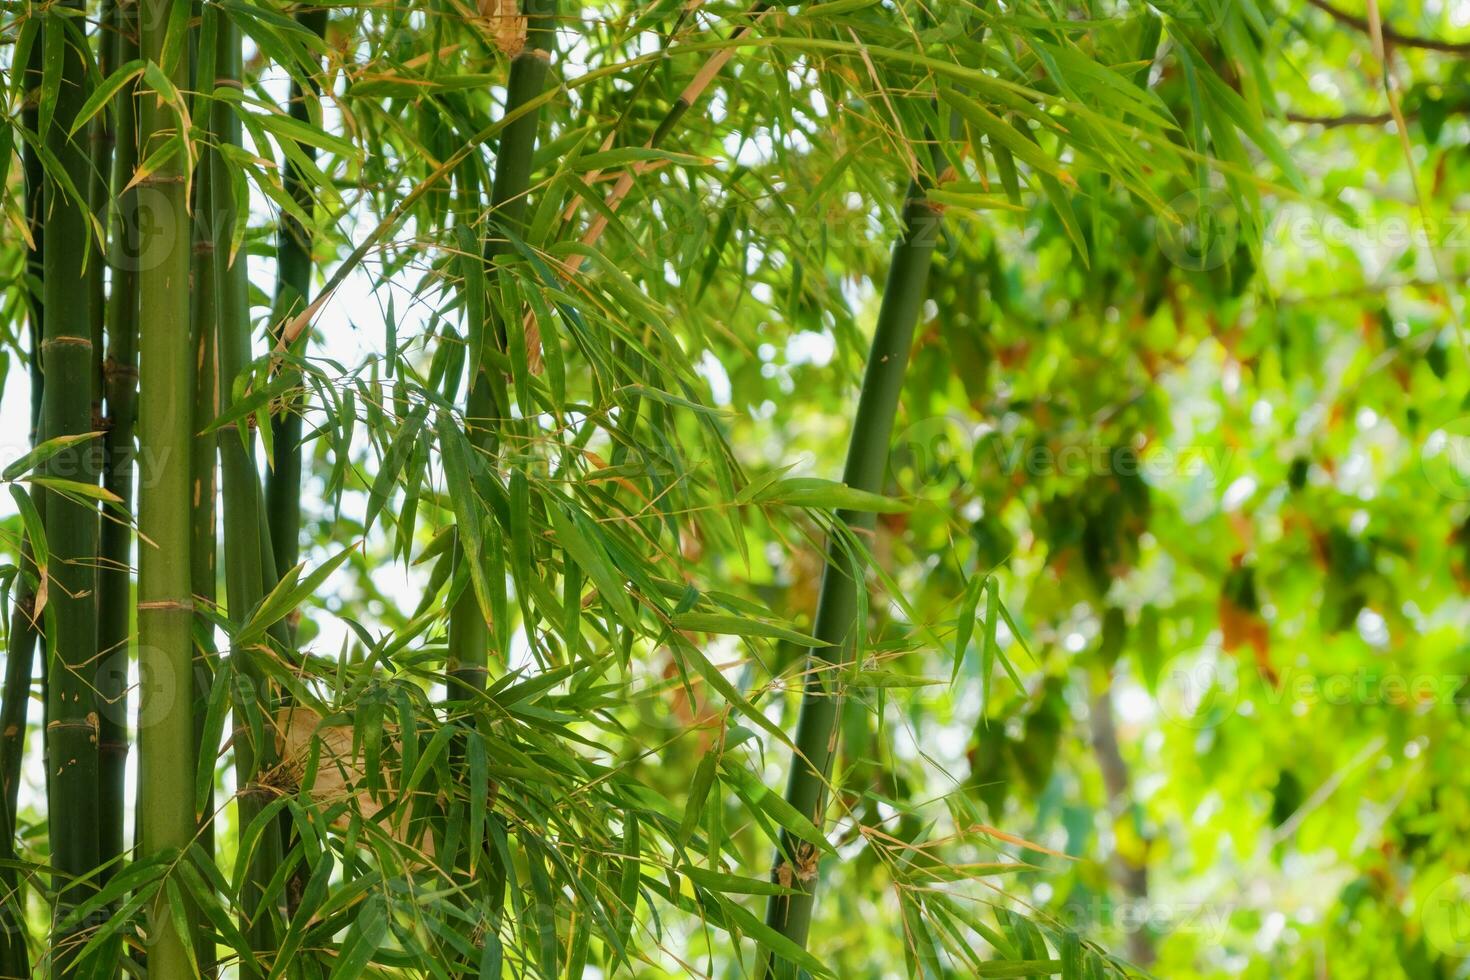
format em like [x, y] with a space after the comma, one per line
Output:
[20, 654]
[203, 516]
[293, 287]
[203, 457]
[71, 523]
[469, 634]
[119, 385]
[165, 608]
[20, 660]
[283, 478]
[245, 570]
[837, 605]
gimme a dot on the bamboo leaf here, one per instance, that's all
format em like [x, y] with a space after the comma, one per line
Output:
[103, 94]
[43, 452]
[289, 593]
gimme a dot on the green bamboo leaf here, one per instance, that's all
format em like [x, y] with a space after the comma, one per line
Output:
[740, 626]
[889, 678]
[289, 593]
[472, 272]
[758, 796]
[776, 942]
[364, 939]
[625, 155]
[209, 738]
[35, 528]
[43, 452]
[179, 919]
[1071, 954]
[74, 488]
[1020, 968]
[479, 795]
[728, 884]
[991, 649]
[103, 94]
[455, 451]
[400, 450]
[294, 130]
[160, 83]
[584, 549]
[828, 495]
[997, 131]
[53, 60]
[704, 778]
[965, 624]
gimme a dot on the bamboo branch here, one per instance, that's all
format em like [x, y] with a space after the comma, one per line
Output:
[1391, 37]
[692, 93]
[837, 606]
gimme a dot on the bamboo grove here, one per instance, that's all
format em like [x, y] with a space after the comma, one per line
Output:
[379, 538]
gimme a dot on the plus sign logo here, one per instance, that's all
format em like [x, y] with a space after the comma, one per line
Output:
[1445, 459]
[1201, 231]
[148, 231]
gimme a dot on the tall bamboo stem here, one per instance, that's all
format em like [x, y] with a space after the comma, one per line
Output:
[245, 574]
[837, 605]
[71, 524]
[203, 458]
[293, 288]
[469, 634]
[119, 380]
[165, 608]
[20, 654]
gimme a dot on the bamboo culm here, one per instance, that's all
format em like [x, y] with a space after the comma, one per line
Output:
[20, 660]
[203, 475]
[283, 477]
[837, 605]
[119, 386]
[71, 523]
[165, 609]
[469, 634]
[244, 534]
[293, 286]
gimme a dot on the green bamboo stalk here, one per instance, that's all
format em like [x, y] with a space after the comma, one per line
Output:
[35, 182]
[283, 477]
[71, 524]
[20, 659]
[165, 608]
[119, 377]
[469, 634]
[837, 605]
[245, 574]
[203, 458]
[293, 287]
[20, 654]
